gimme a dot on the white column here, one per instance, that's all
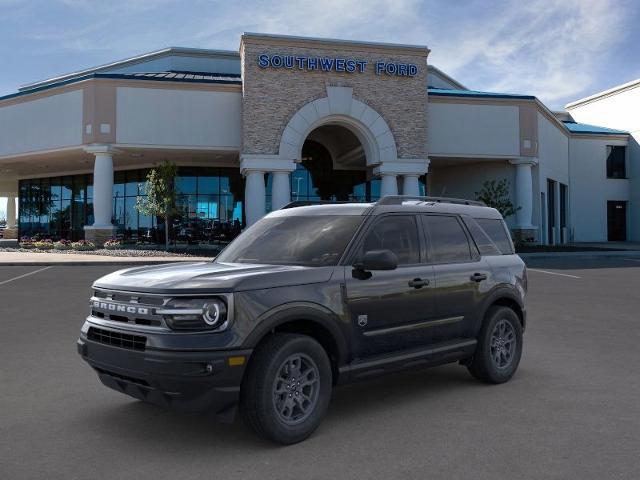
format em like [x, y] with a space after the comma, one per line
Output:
[103, 189]
[410, 185]
[524, 192]
[280, 190]
[254, 196]
[389, 184]
[11, 211]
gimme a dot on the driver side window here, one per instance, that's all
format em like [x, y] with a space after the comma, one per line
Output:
[398, 233]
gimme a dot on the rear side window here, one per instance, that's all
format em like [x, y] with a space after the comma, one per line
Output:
[483, 242]
[497, 233]
[447, 239]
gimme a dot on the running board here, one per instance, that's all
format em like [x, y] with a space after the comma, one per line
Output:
[438, 354]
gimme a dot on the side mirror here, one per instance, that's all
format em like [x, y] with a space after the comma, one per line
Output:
[377, 260]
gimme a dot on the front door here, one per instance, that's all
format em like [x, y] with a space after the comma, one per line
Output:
[389, 309]
[617, 221]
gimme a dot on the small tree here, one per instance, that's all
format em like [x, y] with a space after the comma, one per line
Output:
[160, 200]
[496, 194]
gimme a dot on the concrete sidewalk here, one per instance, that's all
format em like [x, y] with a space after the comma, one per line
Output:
[586, 254]
[34, 258]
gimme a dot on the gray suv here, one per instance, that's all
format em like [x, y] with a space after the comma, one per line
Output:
[310, 297]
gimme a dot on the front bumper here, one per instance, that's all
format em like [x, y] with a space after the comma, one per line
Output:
[188, 380]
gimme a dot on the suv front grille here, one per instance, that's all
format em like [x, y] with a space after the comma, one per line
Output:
[137, 309]
[117, 339]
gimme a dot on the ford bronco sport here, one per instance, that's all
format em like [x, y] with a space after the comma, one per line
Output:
[308, 298]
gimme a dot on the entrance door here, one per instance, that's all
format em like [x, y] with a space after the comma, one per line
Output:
[391, 309]
[617, 221]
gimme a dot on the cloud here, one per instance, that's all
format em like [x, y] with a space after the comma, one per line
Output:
[558, 50]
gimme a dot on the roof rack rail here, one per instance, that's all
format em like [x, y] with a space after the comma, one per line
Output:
[398, 199]
[306, 203]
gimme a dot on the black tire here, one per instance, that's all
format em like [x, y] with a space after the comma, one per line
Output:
[491, 362]
[262, 388]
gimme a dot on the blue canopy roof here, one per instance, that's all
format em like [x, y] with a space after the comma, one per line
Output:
[575, 127]
[475, 93]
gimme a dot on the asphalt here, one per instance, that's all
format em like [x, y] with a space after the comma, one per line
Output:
[571, 412]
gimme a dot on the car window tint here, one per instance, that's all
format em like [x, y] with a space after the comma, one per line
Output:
[498, 233]
[396, 233]
[483, 242]
[448, 240]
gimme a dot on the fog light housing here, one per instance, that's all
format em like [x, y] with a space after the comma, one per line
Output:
[195, 314]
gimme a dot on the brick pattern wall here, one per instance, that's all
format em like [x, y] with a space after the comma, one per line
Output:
[271, 96]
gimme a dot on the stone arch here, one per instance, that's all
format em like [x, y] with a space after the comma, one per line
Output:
[340, 108]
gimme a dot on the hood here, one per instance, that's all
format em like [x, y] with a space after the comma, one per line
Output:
[211, 277]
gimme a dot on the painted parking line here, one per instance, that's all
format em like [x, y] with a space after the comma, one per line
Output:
[25, 275]
[552, 273]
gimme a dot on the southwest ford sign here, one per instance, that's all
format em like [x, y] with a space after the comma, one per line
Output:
[331, 64]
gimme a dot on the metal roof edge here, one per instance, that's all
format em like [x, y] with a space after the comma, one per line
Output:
[122, 76]
[603, 93]
[130, 61]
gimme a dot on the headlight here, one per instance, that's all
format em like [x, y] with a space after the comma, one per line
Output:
[195, 314]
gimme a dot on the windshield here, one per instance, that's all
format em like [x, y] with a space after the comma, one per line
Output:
[315, 241]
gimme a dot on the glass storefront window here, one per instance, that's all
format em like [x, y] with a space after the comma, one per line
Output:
[210, 204]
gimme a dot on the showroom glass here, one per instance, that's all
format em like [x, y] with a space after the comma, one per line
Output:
[210, 202]
[302, 187]
[314, 241]
[448, 240]
[398, 233]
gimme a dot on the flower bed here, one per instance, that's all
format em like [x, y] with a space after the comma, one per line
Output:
[113, 244]
[62, 245]
[83, 245]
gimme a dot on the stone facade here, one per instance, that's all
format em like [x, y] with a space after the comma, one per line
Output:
[272, 96]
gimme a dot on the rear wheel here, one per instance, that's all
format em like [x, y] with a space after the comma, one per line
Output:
[287, 388]
[499, 347]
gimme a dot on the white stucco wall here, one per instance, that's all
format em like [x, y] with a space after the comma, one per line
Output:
[590, 189]
[620, 110]
[467, 178]
[463, 129]
[190, 118]
[41, 124]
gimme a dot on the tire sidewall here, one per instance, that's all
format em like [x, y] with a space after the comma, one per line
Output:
[294, 433]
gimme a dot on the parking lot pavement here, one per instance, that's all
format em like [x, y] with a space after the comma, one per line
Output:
[571, 412]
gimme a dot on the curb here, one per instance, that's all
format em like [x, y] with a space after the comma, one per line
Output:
[592, 254]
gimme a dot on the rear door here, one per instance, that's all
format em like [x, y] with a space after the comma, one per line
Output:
[389, 309]
[461, 276]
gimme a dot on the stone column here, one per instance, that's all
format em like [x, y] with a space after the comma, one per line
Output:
[410, 185]
[524, 228]
[102, 228]
[253, 167]
[254, 196]
[280, 190]
[389, 184]
[11, 232]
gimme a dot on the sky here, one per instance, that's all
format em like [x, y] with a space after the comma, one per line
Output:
[557, 50]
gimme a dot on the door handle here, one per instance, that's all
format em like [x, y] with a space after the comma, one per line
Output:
[478, 277]
[418, 283]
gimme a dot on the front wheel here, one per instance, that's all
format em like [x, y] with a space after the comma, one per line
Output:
[499, 347]
[287, 388]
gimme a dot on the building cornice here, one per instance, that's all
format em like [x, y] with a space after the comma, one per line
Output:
[314, 42]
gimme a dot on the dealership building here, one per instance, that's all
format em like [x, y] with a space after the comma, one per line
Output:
[290, 118]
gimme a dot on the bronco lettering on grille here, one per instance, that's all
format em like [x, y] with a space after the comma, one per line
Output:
[115, 307]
